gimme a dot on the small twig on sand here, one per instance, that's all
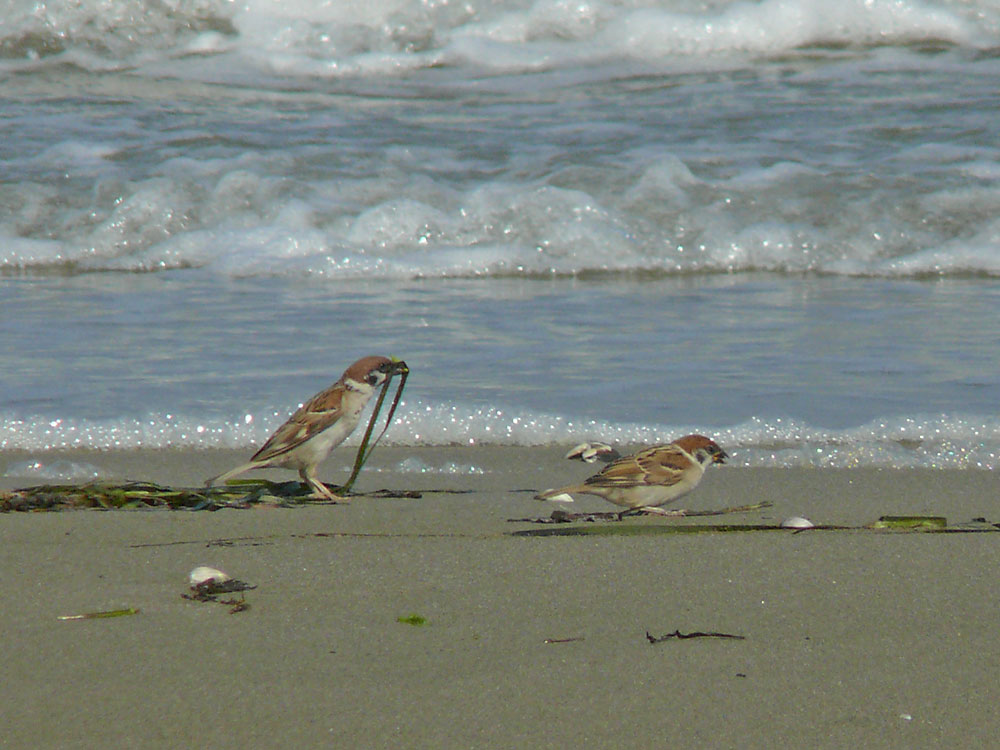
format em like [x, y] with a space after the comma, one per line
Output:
[696, 634]
[102, 615]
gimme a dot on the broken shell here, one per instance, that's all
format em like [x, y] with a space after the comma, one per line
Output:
[797, 522]
[593, 451]
[562, 497]
[203, 574]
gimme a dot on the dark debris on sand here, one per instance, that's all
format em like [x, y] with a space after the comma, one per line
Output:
[147, 495]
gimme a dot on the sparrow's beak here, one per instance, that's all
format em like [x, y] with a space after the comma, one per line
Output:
[399, 367]
[720, 457]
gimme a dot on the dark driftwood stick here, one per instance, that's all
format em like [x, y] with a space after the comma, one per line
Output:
[697, 634]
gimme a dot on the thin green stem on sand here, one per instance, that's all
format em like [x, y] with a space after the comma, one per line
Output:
[102, 615]
[403, 371]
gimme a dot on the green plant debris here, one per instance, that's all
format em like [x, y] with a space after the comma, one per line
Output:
[565, 516]
[210, 590]
[101, 615]
[412, 619]
[205, 595]
[106, 496]
[911, 522]
[627, 529]
[900, 524]
[403, 371]
[242, 493]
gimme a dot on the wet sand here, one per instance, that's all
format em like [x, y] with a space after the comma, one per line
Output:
[851, 638]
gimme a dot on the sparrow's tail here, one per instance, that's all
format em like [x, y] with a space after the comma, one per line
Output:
[223, 478]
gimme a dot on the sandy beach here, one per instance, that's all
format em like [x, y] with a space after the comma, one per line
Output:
[850, 638]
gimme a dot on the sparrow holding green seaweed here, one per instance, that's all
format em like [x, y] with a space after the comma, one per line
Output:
[650, 478]
[321, 424]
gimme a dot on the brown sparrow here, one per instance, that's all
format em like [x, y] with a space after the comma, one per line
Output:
[320, 425]
[652, 477]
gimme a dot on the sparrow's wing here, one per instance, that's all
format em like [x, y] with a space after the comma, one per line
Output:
[661, 465]
[664, 464]
[314, 416]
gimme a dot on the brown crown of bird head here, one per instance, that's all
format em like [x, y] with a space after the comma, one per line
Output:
[703, 449]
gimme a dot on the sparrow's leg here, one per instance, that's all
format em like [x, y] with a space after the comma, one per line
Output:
[654, 511]
[319, 490]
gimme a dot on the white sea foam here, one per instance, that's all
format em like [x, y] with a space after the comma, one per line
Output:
[729, 172]
[246, 222]
[943, 441]
[392, 36]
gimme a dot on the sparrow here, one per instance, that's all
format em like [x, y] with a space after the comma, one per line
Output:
[320, 425]
[652, 477]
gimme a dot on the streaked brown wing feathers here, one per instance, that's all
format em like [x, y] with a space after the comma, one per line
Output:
[662, 465]
[314, 416]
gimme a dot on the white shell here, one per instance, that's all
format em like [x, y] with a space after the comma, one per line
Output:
[590, 451]
[562, 497]
[797, 522]
[203, 574]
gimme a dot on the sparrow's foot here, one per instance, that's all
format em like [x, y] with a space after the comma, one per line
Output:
[322, 492]
[651, 510]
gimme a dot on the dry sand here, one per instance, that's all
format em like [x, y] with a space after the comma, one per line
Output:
[852, 638]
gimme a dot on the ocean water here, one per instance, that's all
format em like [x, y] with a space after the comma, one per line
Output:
[774, 222]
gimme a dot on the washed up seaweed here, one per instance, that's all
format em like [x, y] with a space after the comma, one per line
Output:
[235, 605]
[209, 591]
[239, 494]
[627, 529]
[885, 524]
[564, 516]
[109, 496]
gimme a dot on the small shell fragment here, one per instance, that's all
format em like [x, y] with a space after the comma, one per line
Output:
[562, 497]
[593, 451]
[203, 574]
[797, 522]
